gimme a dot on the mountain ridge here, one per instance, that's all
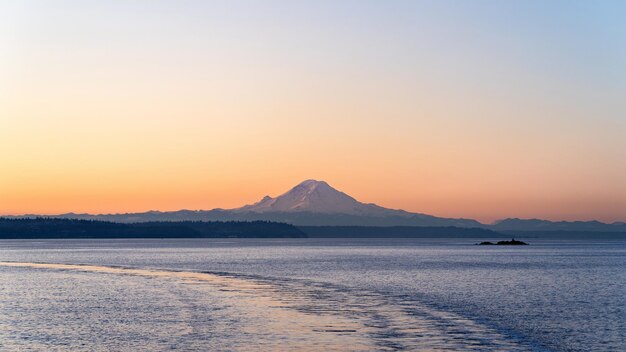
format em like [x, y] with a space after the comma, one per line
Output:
[316, 203]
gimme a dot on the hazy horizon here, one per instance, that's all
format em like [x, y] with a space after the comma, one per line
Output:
[482, 109]
[281, 195]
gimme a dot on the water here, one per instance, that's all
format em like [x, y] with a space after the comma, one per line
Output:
[312, 294]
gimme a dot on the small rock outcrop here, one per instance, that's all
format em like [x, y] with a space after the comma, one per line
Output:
[512, 242]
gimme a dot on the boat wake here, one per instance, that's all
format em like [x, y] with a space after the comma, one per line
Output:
[290, 314]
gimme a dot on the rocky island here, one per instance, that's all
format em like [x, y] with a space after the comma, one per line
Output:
[512, 242]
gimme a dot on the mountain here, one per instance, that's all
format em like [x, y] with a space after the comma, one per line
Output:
[317, 197]
[537, 225]
[310, 203]
[316, 203]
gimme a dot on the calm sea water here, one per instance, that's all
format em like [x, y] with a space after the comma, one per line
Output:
[311, 294]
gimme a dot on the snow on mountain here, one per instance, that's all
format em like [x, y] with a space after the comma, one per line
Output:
[317, 197]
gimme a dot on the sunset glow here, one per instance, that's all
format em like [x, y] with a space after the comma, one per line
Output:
[484, 111]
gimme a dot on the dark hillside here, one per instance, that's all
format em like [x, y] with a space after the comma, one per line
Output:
[70, 228]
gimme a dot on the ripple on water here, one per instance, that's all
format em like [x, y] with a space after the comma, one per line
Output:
[90, 307]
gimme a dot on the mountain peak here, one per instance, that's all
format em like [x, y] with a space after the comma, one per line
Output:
[312, 185]
[312, 196]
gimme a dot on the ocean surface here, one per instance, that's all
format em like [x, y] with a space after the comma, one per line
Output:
[311, 294]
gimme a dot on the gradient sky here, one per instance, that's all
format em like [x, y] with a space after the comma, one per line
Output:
[479, 109]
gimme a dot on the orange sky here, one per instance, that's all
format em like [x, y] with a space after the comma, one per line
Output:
[215, 105]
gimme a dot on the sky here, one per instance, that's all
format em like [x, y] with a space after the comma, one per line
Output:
[475, 109]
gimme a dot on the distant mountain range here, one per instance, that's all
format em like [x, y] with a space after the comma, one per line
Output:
[537, 225]
[316, 203]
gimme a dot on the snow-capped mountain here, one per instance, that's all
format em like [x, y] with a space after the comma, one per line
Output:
[316, 203]
[310, 203]
[317, 197]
